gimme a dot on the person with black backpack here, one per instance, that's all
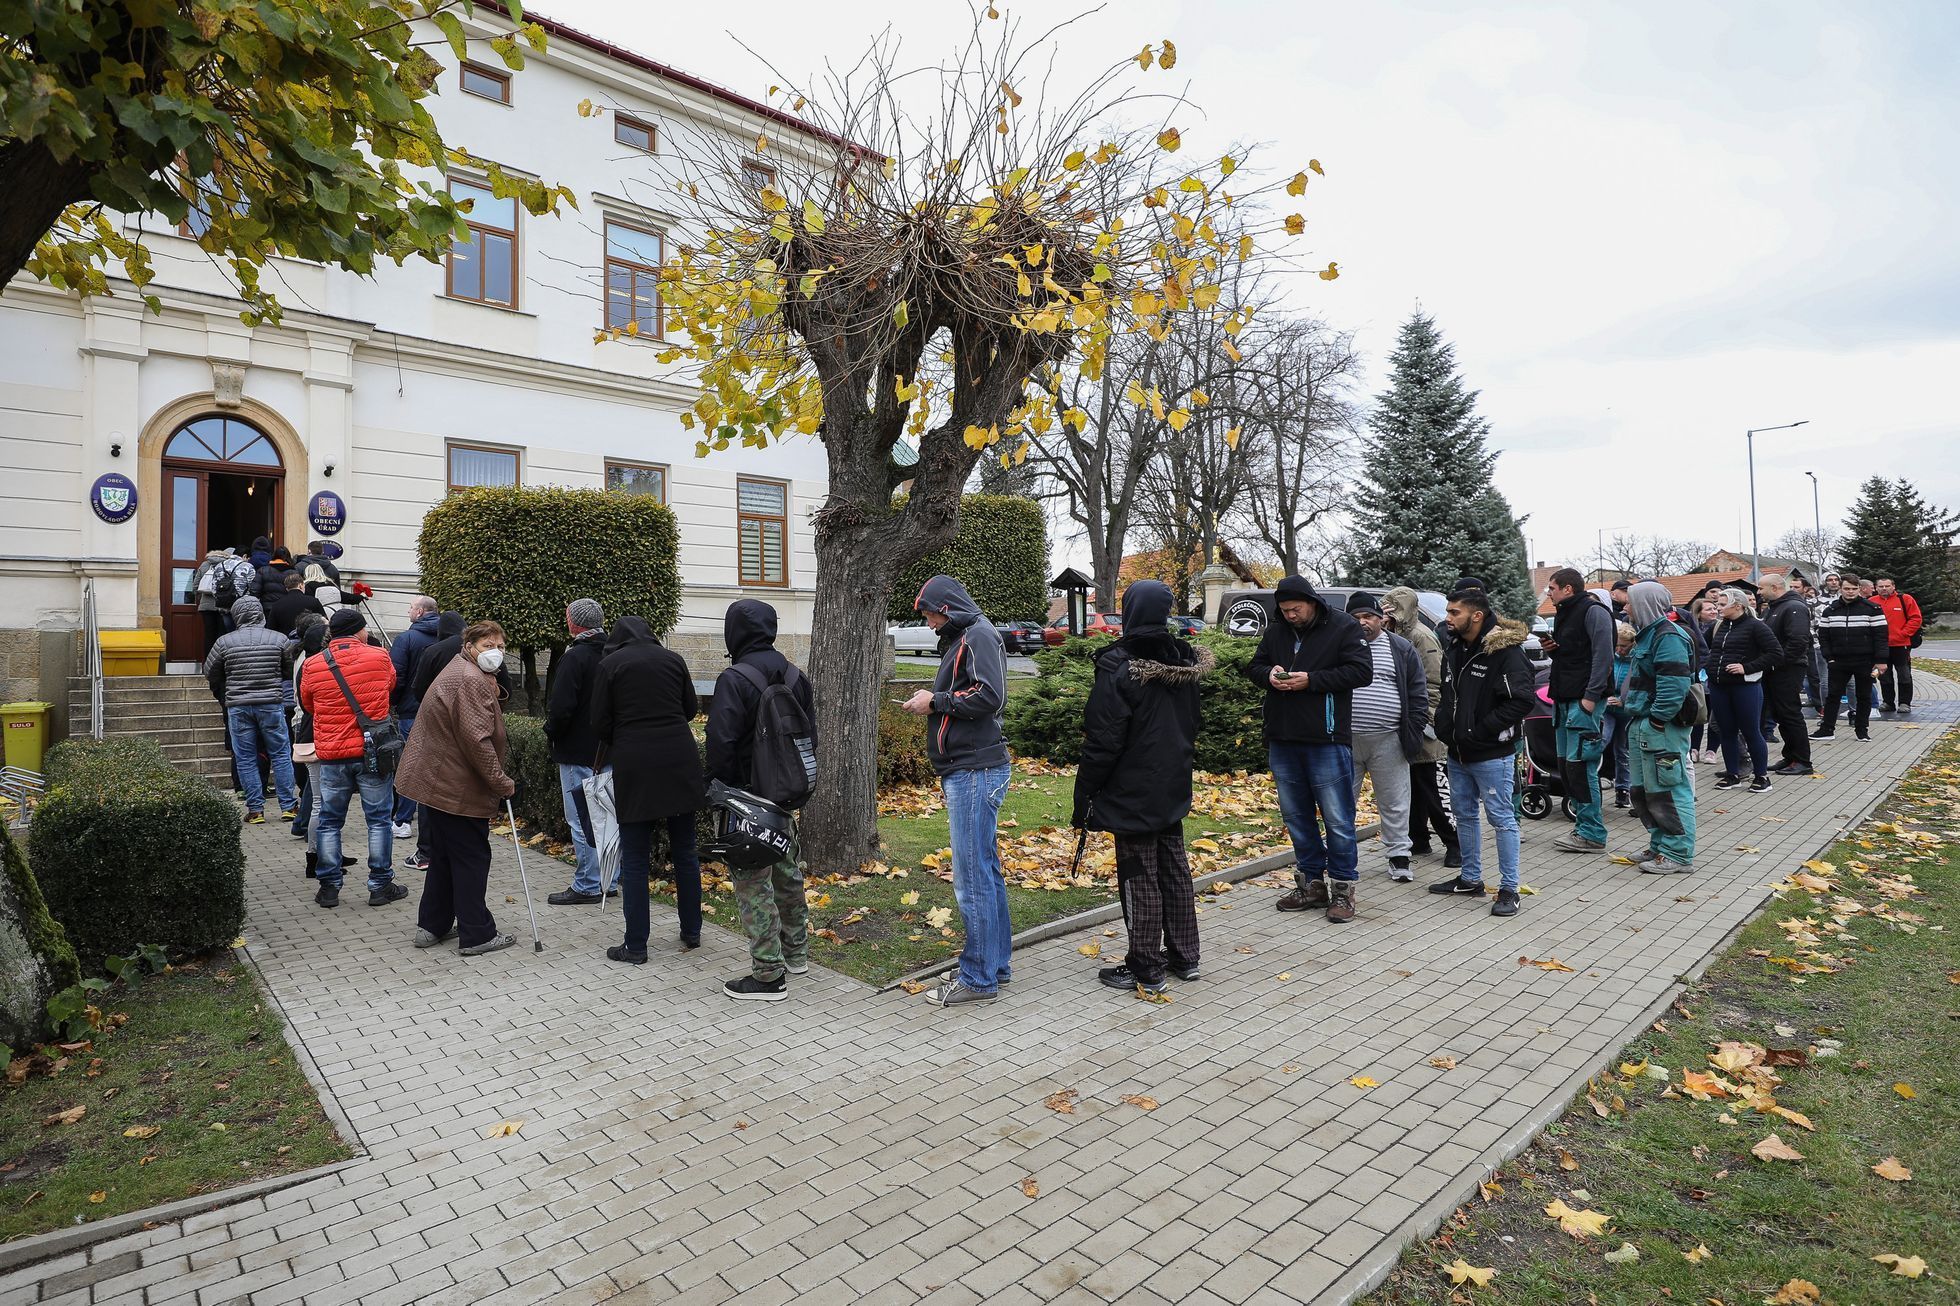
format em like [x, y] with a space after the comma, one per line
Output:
[761, 739]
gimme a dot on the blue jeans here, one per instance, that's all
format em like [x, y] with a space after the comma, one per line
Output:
[1316, 779]
[404, 805]
[586, 878]
[1489, 785]
[338, 781]
[261, 725]
[973, 801]
[1616, 746]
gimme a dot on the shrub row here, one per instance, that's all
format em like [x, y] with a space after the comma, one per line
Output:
[1000, 553]
[1045, 719]
[129, 850]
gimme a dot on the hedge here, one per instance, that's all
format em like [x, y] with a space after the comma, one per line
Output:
[1045, 719]
[902, 739]
[517, 556]
[1000, 553]
[129, 850]
[121, 750]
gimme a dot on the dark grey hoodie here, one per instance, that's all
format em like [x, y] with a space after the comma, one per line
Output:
[969, 695]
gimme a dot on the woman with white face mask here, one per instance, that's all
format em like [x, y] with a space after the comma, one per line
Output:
[454, 767]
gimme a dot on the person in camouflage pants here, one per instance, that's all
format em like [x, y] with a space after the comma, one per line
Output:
[770, 899]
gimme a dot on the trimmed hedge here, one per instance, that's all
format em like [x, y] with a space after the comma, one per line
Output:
[129, 850]
[517, 556]
[1045, 719]
[1000, 553]
[537, 801]
[122, 750]
[902, 739]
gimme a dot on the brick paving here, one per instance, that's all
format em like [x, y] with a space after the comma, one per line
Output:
[848, 1146]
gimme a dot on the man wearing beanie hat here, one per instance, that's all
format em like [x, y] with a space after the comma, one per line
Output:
[247, 670]
[1310, 662]
[574, 742]
[339, 743]
[1390, 712]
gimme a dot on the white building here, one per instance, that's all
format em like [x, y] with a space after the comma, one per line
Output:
[387, 391]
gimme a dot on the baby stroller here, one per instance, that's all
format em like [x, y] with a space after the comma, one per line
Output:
[1539, 780]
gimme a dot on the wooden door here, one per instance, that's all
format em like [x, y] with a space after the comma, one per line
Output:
[184, 516]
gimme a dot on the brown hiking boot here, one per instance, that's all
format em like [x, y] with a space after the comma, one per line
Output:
[1341, 909]
[1311, 898]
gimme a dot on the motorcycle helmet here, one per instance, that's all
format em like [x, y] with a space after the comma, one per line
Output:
[750, 831]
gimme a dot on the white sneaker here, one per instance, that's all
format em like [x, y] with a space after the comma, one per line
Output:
[403, 829]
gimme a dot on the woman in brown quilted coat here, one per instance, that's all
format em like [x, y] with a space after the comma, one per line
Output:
[454, 767]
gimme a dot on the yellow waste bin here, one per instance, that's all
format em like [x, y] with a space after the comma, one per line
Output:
[25, 726]
[132, 652]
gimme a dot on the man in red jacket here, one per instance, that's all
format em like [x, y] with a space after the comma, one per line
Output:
[338, 741]
[1902, 621]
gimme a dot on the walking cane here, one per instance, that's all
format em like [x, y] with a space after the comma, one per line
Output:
[537, 944]
[1081, 841]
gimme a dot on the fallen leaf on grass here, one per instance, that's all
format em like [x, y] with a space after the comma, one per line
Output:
[1797, 1292]
[220, 1127]
[140, 1131]
[1566, 1161]
[1627, 1254]
[1491, 1189]
[1139, 1100]
[1891, 1168]
[1698, 1255]
[1364, 1083]
[1794, 1117]
[100, 1196]
[938, 917]
[68, 1117]
[1702, 1086]
[1775, 1149]
[1580, 1224]
[1735, 1057]
[1905, 1091]
[1462, 1272]
[1443, 1063]
[1062, 1102]
[1549, 963]
[1029, 1188]
[910, 898]
[1909, 1266]
[504, 1128]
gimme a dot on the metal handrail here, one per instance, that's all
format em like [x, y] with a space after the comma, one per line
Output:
[92, 655]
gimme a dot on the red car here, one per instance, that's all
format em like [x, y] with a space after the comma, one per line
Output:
[1097, 624]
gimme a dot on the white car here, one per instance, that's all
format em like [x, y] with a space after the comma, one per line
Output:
[914, 637]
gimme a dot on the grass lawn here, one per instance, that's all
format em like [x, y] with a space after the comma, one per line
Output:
[1845, 996]
[199, 1071]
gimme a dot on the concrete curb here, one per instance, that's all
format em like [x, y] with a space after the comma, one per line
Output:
[1375, 1267]
[1110, 911]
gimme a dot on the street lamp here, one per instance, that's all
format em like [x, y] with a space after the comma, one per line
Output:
[1755, 551]
[1817, 526]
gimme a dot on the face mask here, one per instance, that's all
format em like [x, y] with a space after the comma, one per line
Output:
[490, 660]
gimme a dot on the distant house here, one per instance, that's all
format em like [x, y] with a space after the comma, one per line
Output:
[1731, 560]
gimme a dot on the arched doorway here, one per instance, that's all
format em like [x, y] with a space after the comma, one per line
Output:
[223, 486]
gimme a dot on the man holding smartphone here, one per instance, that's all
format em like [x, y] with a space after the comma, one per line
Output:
[1310, 662]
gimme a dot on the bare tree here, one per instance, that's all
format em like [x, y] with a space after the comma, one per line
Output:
[1303, 421]
[1649, 555]
[1804, 543]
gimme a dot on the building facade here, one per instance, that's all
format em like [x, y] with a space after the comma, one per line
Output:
[384, 393]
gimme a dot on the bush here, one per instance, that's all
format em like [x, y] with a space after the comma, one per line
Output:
[537, 802]
[1000, 553]
[517, 556]
[1045, 719]
[902, 739]
[128, 850]
[120, 750]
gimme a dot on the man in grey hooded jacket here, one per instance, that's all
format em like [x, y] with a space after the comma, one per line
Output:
[248, 671]
[964, 742]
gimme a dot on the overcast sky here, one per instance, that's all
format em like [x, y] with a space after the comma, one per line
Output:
[1645, 226]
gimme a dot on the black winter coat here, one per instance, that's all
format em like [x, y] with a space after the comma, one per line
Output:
[1139, 732]
[1854, 634]
[1748, 641]
[642, 699]
[568, 707]
[749, 630]
[1331, 649]
[1488, 691]
[1788, 619]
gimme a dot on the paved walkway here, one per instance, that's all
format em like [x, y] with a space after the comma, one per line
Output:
[854, 1147]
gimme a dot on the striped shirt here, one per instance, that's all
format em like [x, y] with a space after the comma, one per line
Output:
[1378, 704]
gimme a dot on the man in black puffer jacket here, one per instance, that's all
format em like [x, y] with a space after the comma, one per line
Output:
[248, 670]
[1853, 632]
[1788, 618]
[574, 746]
[1310, 662]
[1138, 735]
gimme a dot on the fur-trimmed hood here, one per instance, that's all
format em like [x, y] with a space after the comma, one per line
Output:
[1506, 634]
[1145, 670]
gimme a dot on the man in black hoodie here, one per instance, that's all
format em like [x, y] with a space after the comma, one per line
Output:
[770, 899]
[1788, 619]
[1139, 731]
[965, 745]
[1310, 662]
[574, 747]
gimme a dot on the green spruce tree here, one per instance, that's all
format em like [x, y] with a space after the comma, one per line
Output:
[1428, 512]
[1892, 531]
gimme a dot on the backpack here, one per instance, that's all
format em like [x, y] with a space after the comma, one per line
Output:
[225, 589]
[783, 768]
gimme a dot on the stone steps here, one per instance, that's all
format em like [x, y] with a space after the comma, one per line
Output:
[176, 711]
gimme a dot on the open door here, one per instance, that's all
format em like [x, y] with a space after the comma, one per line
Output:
[223, 486]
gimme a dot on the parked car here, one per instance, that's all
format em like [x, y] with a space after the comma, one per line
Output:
[1247, 612]
[1020, 636]
[1187, 626]
[914, 637]
[1104, 624]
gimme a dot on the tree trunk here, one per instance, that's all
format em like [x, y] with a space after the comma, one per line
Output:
[847, 673]
[34, 188]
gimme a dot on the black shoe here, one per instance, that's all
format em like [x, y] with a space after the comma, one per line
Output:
[1823, 734]
[1506, 904]
[1398, 870]
[1419, 850]
[1760, 785]
[620, 952]
[312, 866]
[1185, 972]
[1452, 857]
[1792, 768]
[387, 893]
[1864, 737]
[328, 895]
[1727, 781]
[299, 832]
[415, 862]
[1117, 977]
[345, 862]
[1466, 888]
[751, 989]
[572, 898]
[1621, 798]
[1887, 708]
[690, 944]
